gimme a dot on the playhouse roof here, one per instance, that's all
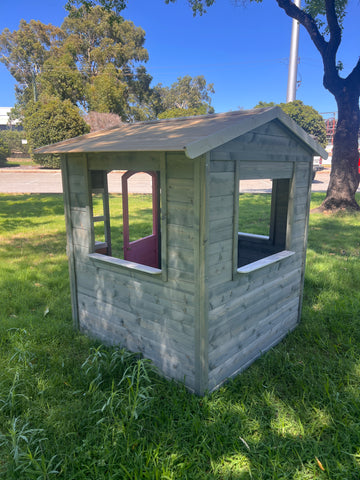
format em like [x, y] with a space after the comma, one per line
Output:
[194, 135]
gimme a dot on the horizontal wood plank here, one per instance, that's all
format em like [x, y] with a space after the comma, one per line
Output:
[139, 161]
[221, 184]
[113, 284]
[222, 166]
[180, 190]
[220, 207]
[245, 357]
[180, 214]
[261, 170]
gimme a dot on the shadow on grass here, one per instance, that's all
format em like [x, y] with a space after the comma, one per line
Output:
[300, 402]
[19, 212]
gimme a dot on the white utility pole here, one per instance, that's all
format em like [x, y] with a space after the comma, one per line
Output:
[293, 60]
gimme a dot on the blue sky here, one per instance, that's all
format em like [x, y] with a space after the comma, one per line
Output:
[242, 49]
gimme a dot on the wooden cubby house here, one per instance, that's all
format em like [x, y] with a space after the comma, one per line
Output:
[198, 296]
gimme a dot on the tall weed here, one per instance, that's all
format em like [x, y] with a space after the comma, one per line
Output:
[23, 447]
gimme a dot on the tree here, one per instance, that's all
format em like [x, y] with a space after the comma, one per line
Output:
[61, 78]
[187, 93]
[95, 41]
[24, 52]
[305, 116]
[91, 61]
[13, 138]
[107, 93]
[180, 112]
[108, 5]
[105, 48]
[95, 60]
[198, 6]
[323, 21]
[49, 121]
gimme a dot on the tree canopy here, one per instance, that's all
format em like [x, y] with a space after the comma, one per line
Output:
[304, 115]
[187, 93]
[24, 52]
[93, 62]
[96, 61]
[90, 60]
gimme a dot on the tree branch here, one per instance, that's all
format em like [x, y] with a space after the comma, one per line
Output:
[307, 21]
[354, 77]
[334, 29]
[328, 50]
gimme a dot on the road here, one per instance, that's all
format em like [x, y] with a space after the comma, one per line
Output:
[32, 180]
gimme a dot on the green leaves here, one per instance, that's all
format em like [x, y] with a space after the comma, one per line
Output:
[198, 6]
[108, 5]
[305, 116]
[50, 121]
[317, 10]
[4, 150]
[25, 50]
[186, 97]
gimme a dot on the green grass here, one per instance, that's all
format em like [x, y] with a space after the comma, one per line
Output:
[140, 220]
[254, 213]
[20, 162]
[72, 409]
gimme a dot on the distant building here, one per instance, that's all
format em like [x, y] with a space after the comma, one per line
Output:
[4, 119]
[330, 124]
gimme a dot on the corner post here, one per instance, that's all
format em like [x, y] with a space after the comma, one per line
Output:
[201, 228]
[70, 244]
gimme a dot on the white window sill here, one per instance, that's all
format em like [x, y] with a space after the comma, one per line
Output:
[253, 236]
[264, 262]
[98, 257]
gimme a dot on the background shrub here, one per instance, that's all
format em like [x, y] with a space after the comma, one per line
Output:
[49, 121]
[4, 151]
[14, 138]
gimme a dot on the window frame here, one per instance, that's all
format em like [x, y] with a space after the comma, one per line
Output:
[274, 236]
[117, 262]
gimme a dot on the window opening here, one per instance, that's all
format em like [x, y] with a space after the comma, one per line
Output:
[263, 222]
[141, 232]
[127, 226]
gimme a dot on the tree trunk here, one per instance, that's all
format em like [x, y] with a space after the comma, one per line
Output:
[344, 176]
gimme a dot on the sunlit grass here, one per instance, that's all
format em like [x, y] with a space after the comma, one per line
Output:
[140, 220]
[71, 409]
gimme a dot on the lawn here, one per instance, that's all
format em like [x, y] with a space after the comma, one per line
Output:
[73, 409]
[20, 162]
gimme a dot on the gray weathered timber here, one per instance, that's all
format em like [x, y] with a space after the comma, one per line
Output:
[70, 243]
[218, 298]
[201, 223]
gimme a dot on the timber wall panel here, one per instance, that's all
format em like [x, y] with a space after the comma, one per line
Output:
[249, 322]
[128, 307]
[136, 313]
[221, 227]
[141, 161]
[180, 220]
[158, 346]
[116, 284]
[258, 170]
[252, 312]
[273, 332]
